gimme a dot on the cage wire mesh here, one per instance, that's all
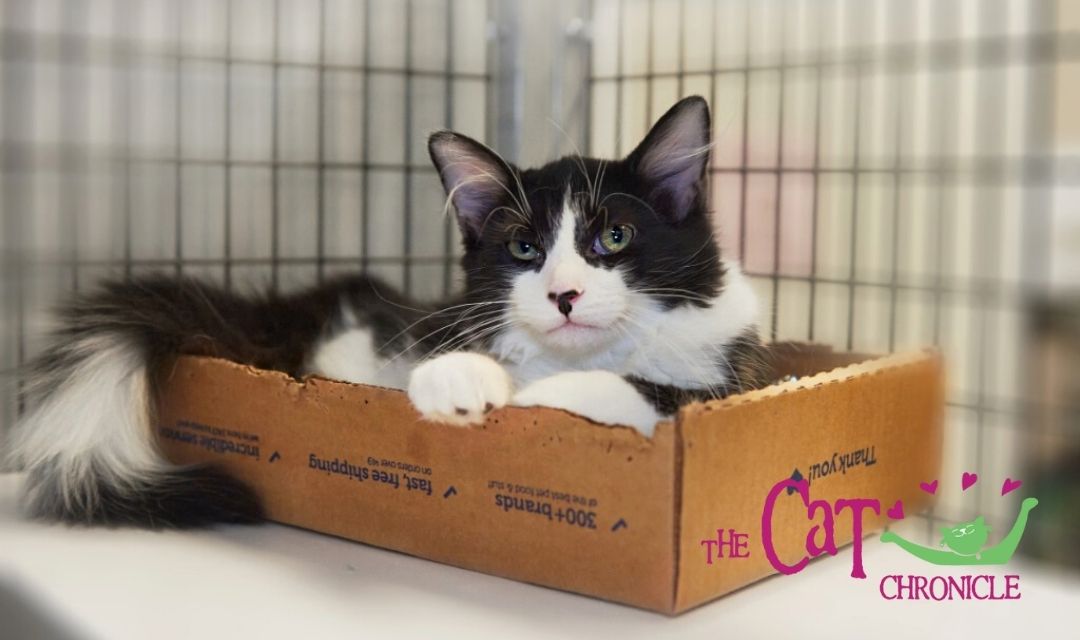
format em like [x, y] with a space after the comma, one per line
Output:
[253, 142]
[882, 172]
[888, 172]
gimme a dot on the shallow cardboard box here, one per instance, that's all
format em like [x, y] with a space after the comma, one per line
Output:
[546, 497]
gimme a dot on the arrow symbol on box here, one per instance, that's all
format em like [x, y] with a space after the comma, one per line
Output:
[450, 492]
[796, 476]
[621, 524]
[274, 457]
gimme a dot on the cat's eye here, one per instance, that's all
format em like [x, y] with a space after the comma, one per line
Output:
[523, 250]
[613, 239]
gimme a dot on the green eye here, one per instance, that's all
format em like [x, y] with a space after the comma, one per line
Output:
[613, 239]
[523, 250]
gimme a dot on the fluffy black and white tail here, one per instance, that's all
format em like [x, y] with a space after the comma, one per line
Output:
[87, 444]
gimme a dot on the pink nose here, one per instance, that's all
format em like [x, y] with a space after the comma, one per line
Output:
[565, 300]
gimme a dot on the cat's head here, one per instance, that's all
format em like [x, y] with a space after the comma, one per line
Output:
[577, 251]
[966, 538]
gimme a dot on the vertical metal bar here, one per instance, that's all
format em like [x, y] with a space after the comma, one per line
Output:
[178, 137]
[778, 211]
[855, 175]
[365, 156]
[1039, 169]
[987, 237]
[320, 176]
[121, 21]
[894, 269]
[819, 60]
[572, 52]
[681, 77]
[408, 143]
[18, 109]
[228, 143]
[937, 241]
[650, 52]
[491, 66]
[589, 33]
[619, 37]
[941, 231]
[975, 291]
[898, 137]
[275, 160]
[509, 81]
[711, 67]
[448, 122]
[743, 173]
[71, 167]
[556, 81]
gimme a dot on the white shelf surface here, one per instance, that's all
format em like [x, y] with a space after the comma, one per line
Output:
[274, 581]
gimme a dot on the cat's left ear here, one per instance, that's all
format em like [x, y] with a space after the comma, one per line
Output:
[673, 159]
[477, 180]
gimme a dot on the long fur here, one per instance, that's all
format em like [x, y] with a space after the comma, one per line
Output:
[87, 443]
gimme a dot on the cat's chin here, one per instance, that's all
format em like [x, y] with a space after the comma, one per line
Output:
[577, 336]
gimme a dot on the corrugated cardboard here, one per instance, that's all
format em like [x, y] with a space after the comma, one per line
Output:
[546, 497]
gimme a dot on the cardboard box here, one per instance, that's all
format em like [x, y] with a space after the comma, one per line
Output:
[546, 497]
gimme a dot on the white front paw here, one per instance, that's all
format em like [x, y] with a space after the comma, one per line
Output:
[601, 396]
[459, 388]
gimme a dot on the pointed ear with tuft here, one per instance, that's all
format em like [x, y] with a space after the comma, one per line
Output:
[674, 157]
[476, 179]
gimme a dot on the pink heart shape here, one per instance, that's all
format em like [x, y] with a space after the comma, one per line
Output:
[1010, 485]
[929, 487]
[968, 480]
[897, 511]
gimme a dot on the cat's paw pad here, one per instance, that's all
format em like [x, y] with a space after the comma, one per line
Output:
[459, 388]
[601, 396]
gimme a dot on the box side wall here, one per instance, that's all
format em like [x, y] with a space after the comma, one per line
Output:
[534, 495]
[867, 431]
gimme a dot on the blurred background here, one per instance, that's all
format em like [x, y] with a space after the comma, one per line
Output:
[892, 173]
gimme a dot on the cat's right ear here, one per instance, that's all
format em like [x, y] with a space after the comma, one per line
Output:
[673, 159]
[476, 179]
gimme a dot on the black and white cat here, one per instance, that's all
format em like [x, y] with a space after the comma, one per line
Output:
[590, 285]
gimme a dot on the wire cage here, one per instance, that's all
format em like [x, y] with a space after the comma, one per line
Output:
[891, 174]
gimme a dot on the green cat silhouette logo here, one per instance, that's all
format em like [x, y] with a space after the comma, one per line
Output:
[963, 543]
